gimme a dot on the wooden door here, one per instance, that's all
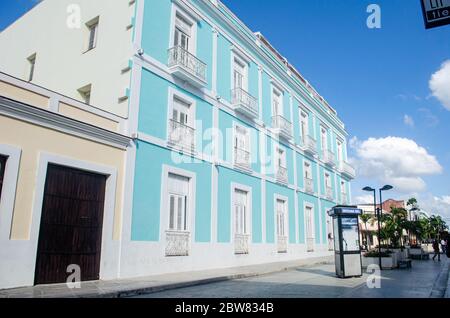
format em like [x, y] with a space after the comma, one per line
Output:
[71, 225]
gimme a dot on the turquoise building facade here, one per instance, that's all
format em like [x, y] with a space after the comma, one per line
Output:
[236, 158]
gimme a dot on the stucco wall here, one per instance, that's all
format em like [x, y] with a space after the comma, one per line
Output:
[62, 63]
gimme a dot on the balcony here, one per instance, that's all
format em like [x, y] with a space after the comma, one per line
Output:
[187, 67]
[329, 158]
[181, 136]
[347, 170]
[244, 103]
[310, 244]
[309, 185]
[310, 145]
[282, 244]
[242, 158]
[177, 243]
[344, 199]
[281, 175]
[329, 193]
[241, 243]
[282, 127]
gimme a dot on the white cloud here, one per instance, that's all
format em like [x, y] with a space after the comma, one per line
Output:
[436, 205]
[364, 199]
[440, 84]
[397, 161]
[408, 120]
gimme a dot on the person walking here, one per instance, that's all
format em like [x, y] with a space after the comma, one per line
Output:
[444, 246]
[436, 250]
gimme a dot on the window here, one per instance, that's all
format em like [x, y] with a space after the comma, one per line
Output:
[304, 125]
[240, 212]
[181, 112]
[343, 188]
[2, 172]
[281, 158]
[183, 33]
[181, 122]
[242, 146]
[239, 74]
[308, 171]
[92, 27]
[327, 180]
[85, 93]
[281, 217]
[277, 102]
[32, 61]
[339, 151]
[178, 196]
[324, 138]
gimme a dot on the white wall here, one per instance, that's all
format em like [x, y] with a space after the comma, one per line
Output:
[62, 64]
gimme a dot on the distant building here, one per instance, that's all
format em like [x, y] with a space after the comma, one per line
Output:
[369, 231]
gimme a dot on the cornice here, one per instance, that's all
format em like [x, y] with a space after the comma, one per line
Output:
[44, 118]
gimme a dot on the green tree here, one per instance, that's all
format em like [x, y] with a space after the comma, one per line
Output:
[365, 218]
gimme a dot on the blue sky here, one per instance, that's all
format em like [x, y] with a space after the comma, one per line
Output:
[377, 79]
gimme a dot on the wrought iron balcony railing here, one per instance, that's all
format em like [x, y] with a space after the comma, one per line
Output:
[281, 174]
[329, 193]
[348, 170]
[282, 244]
[185, 65]
[241, 243]
[309, 185]
[310, 144]
[329, 157]
[244, 102]
[242, 158]
[282, 126]
[177, 243]
[181, 136]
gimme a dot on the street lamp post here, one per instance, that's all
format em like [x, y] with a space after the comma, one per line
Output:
[378, 212]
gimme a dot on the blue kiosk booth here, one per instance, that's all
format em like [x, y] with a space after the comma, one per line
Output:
[347, 250]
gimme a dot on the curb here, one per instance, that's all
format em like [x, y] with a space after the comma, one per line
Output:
[171, 286]
[442, 283]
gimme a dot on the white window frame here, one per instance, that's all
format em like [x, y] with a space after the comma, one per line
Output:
[86, 94]
[324, 145]
[237, 57]
[273, 91]
[164, 208]
[340, 152]
[278, 197]
[343, 187]
[301, 112]
[173, 93]
[325, 179]
[305, 170]
[192, 20]
[313, 221]
[244, 188]
[8, 195]
[277, 157]
[95, 22]
[237, 126]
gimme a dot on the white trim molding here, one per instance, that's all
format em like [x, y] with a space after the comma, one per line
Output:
[110, 253]
[41, 117]
[8, 194]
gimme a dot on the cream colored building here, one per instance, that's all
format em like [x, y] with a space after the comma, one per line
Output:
[80, 48]
[40, 128]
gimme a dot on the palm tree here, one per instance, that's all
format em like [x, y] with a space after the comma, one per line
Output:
[365, 218]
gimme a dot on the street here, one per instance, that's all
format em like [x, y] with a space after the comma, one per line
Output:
[320, 281]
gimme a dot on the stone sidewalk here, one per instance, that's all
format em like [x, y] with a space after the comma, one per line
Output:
[133, 287]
